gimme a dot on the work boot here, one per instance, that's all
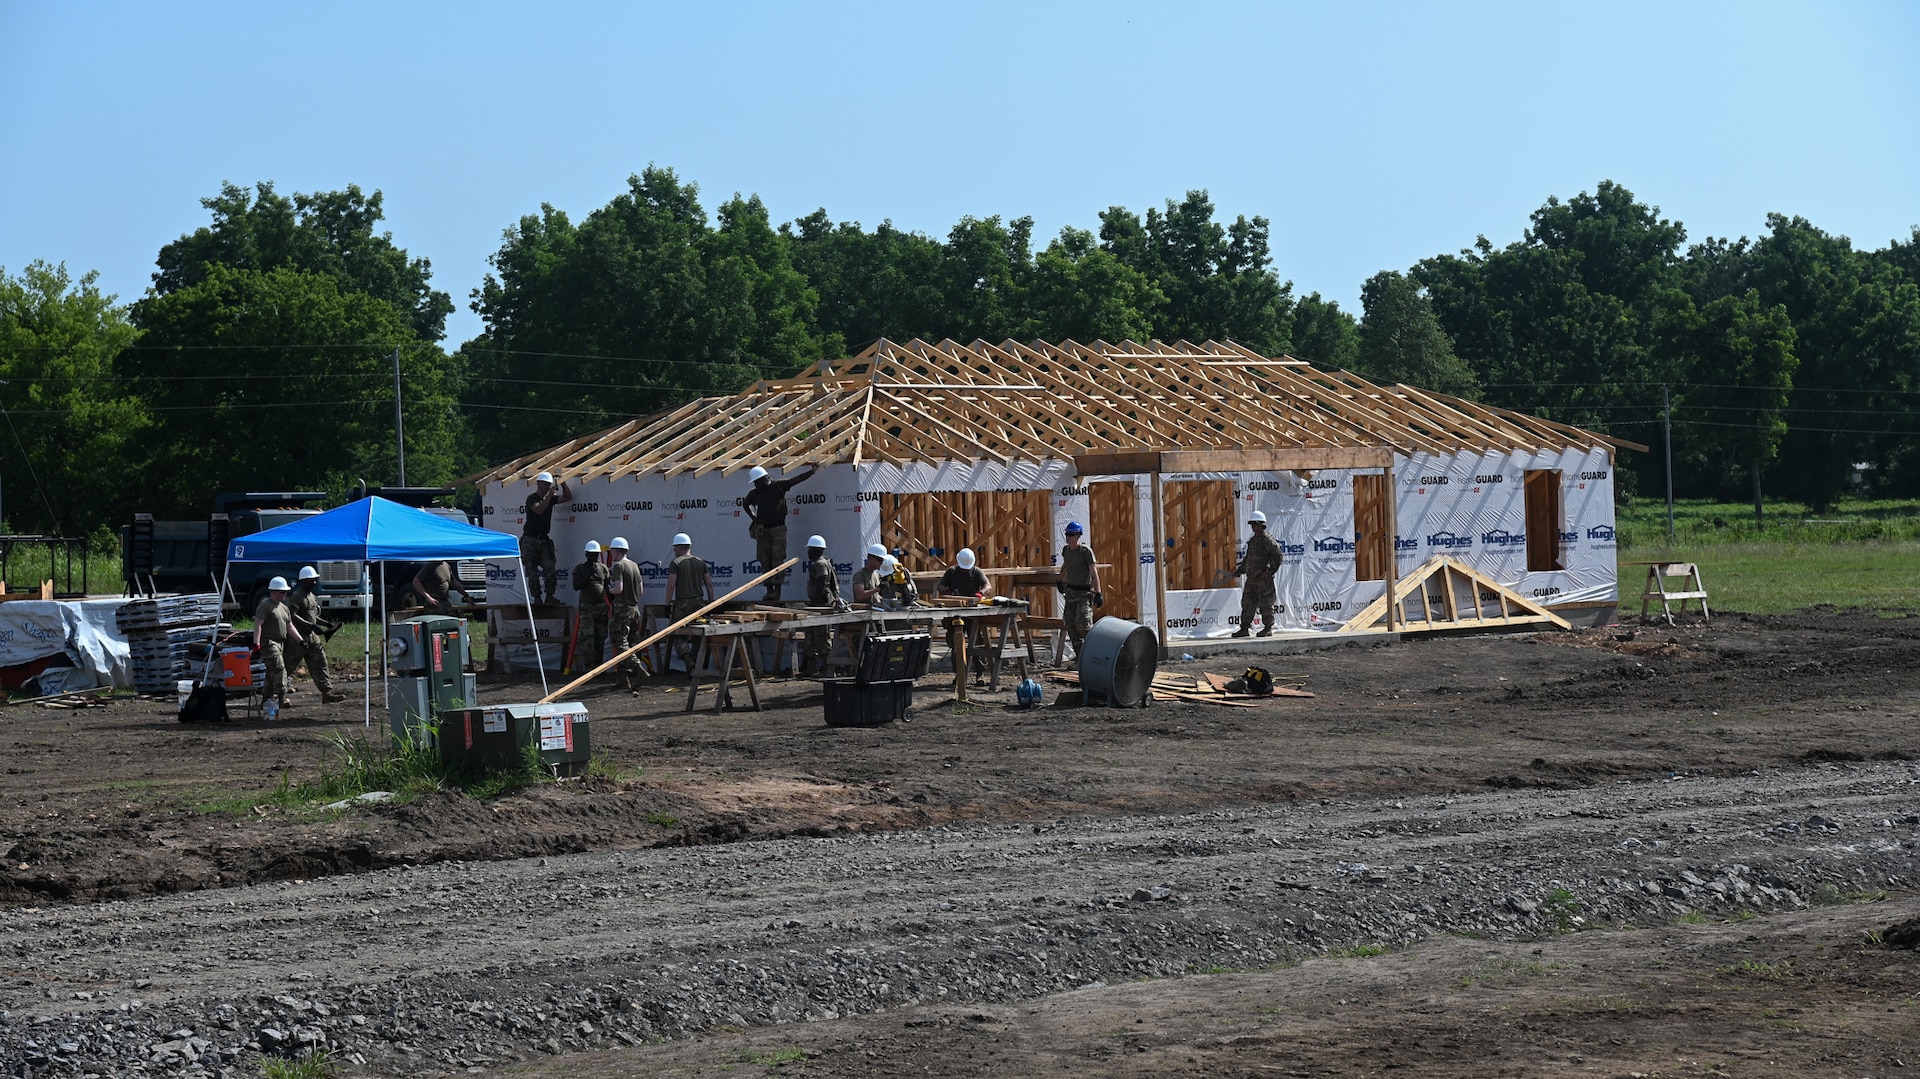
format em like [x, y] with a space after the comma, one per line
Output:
[1242, 632]
[332, 696]
[285, 704]
[1266, 630]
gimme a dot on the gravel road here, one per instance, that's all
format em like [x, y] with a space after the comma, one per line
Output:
[458, 967]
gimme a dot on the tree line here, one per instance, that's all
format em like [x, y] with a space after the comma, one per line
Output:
[264, 354]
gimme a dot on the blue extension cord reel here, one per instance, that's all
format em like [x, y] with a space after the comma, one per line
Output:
[1028, 693]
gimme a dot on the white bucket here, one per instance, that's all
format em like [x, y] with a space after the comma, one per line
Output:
[184, 687]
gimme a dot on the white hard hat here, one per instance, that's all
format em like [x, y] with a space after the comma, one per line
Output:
[965, 558]
[308, 573]
[544, 477]
[878, 550]
[817, 541]
[680, 539]
[593, 546]
[619, 544]
[1257, 517]
[756, 474]
[278, 584]
[887, 564]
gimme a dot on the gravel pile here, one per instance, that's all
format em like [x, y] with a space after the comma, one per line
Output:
[458, 967]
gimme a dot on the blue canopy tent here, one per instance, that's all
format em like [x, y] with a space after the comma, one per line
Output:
[375, 530]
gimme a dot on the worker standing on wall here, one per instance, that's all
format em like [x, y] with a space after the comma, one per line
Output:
[823, 590]
[590, 579]
[688, 580]
[1261, 562]
[766, 506]
[1079, 586]
[273, 630]
[305, 608]
[624, 589]
[964, 579]
[537, 556]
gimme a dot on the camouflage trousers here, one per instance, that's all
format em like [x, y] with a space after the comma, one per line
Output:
[591, 632]
[624, 627]
[313, 651]
[771, 549]
[1257, 596]
[1078, 617]
[274, 655]
[538, 559]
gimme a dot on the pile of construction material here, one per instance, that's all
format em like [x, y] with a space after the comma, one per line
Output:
[1205, 688]
[167, 638]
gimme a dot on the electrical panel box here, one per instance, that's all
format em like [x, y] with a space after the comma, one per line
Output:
[500, 737]
[416, 703]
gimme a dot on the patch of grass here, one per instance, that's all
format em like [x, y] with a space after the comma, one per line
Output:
[313, 1064]
[1694, 917]
[664, 820]
[1563, 908]
[1776, 576]
[602, 766]
[1748, 968]
[1832, 895]
[790, 1054]
[1641, 524]
[1359, 951]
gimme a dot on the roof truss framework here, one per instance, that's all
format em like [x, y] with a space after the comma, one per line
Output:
[1011, 402]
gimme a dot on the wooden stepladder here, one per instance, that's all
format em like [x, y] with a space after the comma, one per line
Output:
[1691, 588]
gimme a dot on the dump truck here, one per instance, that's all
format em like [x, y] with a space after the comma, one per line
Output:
[190, 556]
[348, 585]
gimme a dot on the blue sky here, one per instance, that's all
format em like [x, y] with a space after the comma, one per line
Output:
[1371, 135]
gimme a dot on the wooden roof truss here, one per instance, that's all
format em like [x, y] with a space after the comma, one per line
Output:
[1011, 402]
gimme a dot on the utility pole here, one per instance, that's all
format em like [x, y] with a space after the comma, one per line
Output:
[1667, 427]
[400, 430]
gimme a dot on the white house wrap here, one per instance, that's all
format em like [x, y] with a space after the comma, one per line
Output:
[929, 447]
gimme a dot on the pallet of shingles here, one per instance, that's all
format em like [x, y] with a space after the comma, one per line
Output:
[167, 612]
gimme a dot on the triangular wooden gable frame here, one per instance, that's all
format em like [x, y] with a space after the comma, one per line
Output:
[1515, 609]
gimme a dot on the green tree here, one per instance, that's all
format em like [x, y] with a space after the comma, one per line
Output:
[65, 456]
[1218, 279]
[1083, 293]
[327, 232]
[1401, 340]
[884, 283]
[279, 379]
[1324, 335]
[1856, 320]
[1738, 357]
[642, 306]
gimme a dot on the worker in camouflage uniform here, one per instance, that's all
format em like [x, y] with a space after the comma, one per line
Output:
[1079, 586]
[624, 592]
[273, 631]
[590, 579]
[689, 588]
[537, 557]
[1257, 594]
[766, 506]
[312, 649]
[823, 590]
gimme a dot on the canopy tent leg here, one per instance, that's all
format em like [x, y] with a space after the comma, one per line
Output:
[366, 664]
[213, 632]
[539, 661]
[385, 694]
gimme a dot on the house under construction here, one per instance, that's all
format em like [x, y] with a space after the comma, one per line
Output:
[1160, 450]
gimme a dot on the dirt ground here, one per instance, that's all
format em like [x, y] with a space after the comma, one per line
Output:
[1802, 994]
[122, 800]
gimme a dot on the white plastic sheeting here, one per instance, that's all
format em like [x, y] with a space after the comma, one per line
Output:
[82, 629]
[1470, 506]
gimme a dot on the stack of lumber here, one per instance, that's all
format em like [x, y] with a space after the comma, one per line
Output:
[167, 638]
[1205, 688]
[759, 612]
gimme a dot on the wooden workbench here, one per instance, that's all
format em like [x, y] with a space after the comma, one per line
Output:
[737, 652]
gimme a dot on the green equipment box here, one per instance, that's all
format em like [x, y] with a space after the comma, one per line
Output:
[496, 737]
